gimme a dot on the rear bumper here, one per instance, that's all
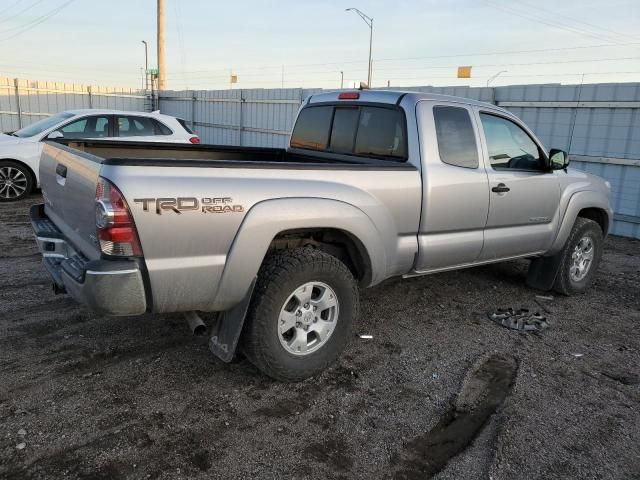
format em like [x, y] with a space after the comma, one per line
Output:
[112, 287]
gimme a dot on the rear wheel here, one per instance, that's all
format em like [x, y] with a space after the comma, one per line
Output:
[580, 257]
[300, 315]
[15, 181]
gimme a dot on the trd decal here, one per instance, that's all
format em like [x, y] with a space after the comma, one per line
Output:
[185, 204]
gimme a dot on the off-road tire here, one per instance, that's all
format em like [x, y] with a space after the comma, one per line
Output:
[27, 175]
[280, 274]
[564, 284]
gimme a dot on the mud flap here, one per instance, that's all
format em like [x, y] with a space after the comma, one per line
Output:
[226, 332]
[543, 271]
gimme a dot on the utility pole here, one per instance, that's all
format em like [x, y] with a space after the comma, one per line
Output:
[341, 79]
[146, 65]
[369, 21]
[162, 85]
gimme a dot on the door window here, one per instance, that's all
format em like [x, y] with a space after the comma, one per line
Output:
[456, 139]
[140, 127]
[509, 146]
[88, 127]
[75, 127]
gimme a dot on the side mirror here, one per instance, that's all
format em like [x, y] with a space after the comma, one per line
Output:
[55, 134]
[558, 159]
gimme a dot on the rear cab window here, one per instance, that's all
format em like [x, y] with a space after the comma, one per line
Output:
[360, 130]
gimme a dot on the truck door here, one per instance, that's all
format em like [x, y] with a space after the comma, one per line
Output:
[455, 193]
[524, 194]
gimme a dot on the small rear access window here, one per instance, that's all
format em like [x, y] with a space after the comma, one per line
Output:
[355, 130]
[456, 139]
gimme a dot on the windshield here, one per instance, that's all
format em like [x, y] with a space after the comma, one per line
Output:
[42, 125]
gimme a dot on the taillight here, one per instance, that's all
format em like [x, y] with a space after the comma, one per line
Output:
[116, 231]
[195, 140]
[349, 96]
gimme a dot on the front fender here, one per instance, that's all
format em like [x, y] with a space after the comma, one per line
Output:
[267, 219]
[577, 202]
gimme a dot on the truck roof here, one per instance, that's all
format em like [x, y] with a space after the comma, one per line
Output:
[393, 96]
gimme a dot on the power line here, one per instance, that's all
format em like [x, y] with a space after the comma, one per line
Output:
[546, 21]
[10, 7]
[430, 57]
[37, 22]
[11, 17]
[435, 67]
[574, 20]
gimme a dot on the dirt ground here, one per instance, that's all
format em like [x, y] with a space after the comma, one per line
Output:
[87, 396]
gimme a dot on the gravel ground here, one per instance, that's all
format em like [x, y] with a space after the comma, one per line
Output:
[87, 396]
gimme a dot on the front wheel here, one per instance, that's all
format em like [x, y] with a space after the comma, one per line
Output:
[301, 313]
[580, 257]
[15, 181]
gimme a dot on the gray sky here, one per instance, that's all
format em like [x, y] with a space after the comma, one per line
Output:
[414, 43]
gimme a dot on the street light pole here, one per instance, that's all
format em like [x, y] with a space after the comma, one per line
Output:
[146, 66]
[493, 77]
[341, 79]
[369, 21]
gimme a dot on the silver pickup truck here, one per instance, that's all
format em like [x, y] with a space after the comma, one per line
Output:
[374, 184]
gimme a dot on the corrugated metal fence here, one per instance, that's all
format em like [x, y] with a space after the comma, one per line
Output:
[25, 101]
[599, 124]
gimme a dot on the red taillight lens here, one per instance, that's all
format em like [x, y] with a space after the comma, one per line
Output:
[117, 233]
[349, 96]
[195, 140]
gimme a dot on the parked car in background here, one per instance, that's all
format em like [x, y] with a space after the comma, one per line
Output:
[20, 150]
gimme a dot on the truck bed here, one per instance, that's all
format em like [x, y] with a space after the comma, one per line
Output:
[165, 154]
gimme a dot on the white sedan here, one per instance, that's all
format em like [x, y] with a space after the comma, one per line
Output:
[20, 150]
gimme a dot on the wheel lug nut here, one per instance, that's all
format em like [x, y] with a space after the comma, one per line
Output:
[306, 305]
[298, 313]
[306, 327]
[315, 308]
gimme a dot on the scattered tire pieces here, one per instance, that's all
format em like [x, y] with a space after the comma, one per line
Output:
[521, 319]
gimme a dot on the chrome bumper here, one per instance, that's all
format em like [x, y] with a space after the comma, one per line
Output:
[112, 287]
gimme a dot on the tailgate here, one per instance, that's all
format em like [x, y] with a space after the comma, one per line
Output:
[68, 179]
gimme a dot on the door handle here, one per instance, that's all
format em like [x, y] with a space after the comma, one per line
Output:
[61, 170]
[500, 188]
